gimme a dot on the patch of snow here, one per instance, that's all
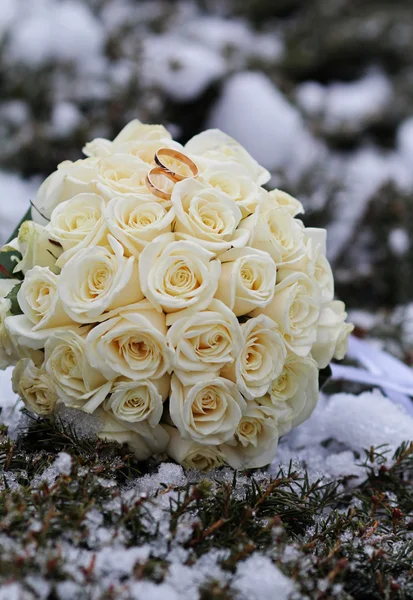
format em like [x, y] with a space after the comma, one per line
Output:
[258, 578]
[346, 104]
[399, 241]
[10, 404]
[65, 118]
[368, 419]
[405, 140]
[363, 319]
[63, 463]
[16, 194]
[48, 30]
[181, 68]
[253, 111]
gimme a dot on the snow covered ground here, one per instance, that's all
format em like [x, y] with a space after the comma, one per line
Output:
[96, 69]
[329, 445]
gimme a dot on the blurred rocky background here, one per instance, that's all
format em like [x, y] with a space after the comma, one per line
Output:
[321, 93]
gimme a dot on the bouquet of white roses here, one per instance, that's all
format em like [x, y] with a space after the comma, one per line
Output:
[161, 288]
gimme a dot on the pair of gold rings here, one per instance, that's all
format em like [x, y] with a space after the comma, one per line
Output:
[165, 171]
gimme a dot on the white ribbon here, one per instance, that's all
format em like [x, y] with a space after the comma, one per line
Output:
[380, 370]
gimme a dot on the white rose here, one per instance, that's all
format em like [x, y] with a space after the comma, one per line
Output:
[294, 394]
[277, 233]
[261, 359]
[35, 387]
[143, 439]
[9, 354]
[39, 300]
[208, 216]
[332, 334]
[70, 179]
[178, 274]
[43, 312]
[296, 309]
[78, 223]
[121, 174]
[208, 412]
[137, 401]
[204, 342]
[77, 383]
[145, 150]
[235, 181]
[247, 279]
[215, 145]
[314, 263]
[135, 131]
[137, 220]
[132, 344]
[37, 248]
[95, 281]
[278, 198]
[192, 455]
[255, 441]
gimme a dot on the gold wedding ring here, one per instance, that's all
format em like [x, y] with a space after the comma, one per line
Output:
[178, 156]
[160, 193]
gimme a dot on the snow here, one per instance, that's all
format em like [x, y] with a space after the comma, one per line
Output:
[47, 30]
[346, 104]
[63, 463]
[405, 140]
[399, 241]
[258, 579]
[65, 118]
[253, 111]
[14, 202]
[10, 404]
[357, 422]
[183, 70]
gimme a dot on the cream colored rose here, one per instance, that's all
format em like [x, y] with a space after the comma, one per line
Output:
[77, 383]
[95, 281]
[137, 220]
[133, 344]
[294, 394]
[121, 174]
[35, 387]
[295, 308]
[39, 300]
[247, 279]
[235, 181]
[215, 145]
[178, 274]
[208, 412]
[78, 223]
[133, 132]
[143, 439]
[277, 233]
[255, 441]
[207, 216]
[278, 198]
[70, 179]
[192, 455]
[332, 334]
[9, 354]
[138, 401]
[261, 360]
[43, 312]
[204, 342]
[314, 263]
[37, 248]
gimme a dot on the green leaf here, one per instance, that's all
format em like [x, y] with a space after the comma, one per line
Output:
[9, 257]
[27, 217]
[12, 296]
[324, 375]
